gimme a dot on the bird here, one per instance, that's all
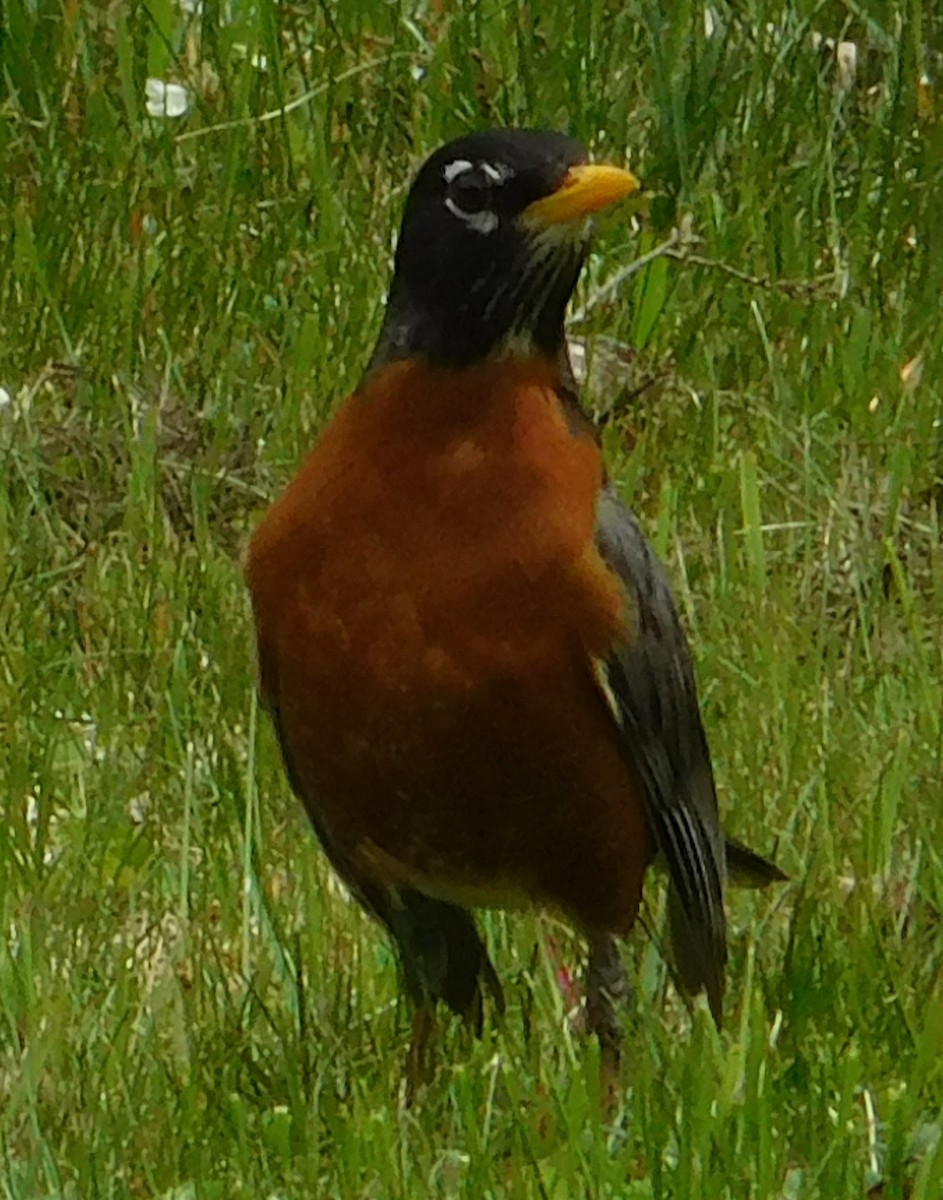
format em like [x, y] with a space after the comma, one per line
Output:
[468, 649]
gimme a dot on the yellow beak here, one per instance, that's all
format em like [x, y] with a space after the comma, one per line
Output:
[585, 190]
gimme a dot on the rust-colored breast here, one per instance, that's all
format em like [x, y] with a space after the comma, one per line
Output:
[429, 602]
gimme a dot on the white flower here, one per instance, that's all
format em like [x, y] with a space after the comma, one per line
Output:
[846, 57]
[5, 398]
[256, 58]
[166, 99]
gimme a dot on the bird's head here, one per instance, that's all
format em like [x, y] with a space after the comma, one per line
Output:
[493, 237]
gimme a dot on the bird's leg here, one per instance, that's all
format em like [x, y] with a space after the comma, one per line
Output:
[418, 1061]
[607, 986]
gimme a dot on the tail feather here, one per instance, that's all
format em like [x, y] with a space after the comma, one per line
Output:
[700, 958]
[747, 869]
[699, 953]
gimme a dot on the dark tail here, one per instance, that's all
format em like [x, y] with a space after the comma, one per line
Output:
[747, 869]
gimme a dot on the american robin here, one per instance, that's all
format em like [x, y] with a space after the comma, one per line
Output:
[469, 651]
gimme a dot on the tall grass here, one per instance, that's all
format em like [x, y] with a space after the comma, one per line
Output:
[188, 1007]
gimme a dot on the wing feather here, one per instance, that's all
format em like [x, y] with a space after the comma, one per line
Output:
[650, 680]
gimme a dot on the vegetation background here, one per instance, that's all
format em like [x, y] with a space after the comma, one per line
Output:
[190, 278]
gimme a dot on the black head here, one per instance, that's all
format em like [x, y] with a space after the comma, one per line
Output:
[492, 241]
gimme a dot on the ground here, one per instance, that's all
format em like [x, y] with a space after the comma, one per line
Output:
[189, 1007]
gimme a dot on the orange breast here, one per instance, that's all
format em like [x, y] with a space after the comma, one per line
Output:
[429, 602]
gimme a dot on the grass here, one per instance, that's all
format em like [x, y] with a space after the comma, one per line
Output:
[188, 1007]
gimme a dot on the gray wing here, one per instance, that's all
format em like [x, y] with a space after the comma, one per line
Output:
[651, 688]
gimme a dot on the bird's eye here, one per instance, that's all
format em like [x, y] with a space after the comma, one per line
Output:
[470, 191]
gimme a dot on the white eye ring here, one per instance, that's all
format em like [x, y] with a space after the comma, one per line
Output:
[483, 221]
[497, 174]
[456, 168]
